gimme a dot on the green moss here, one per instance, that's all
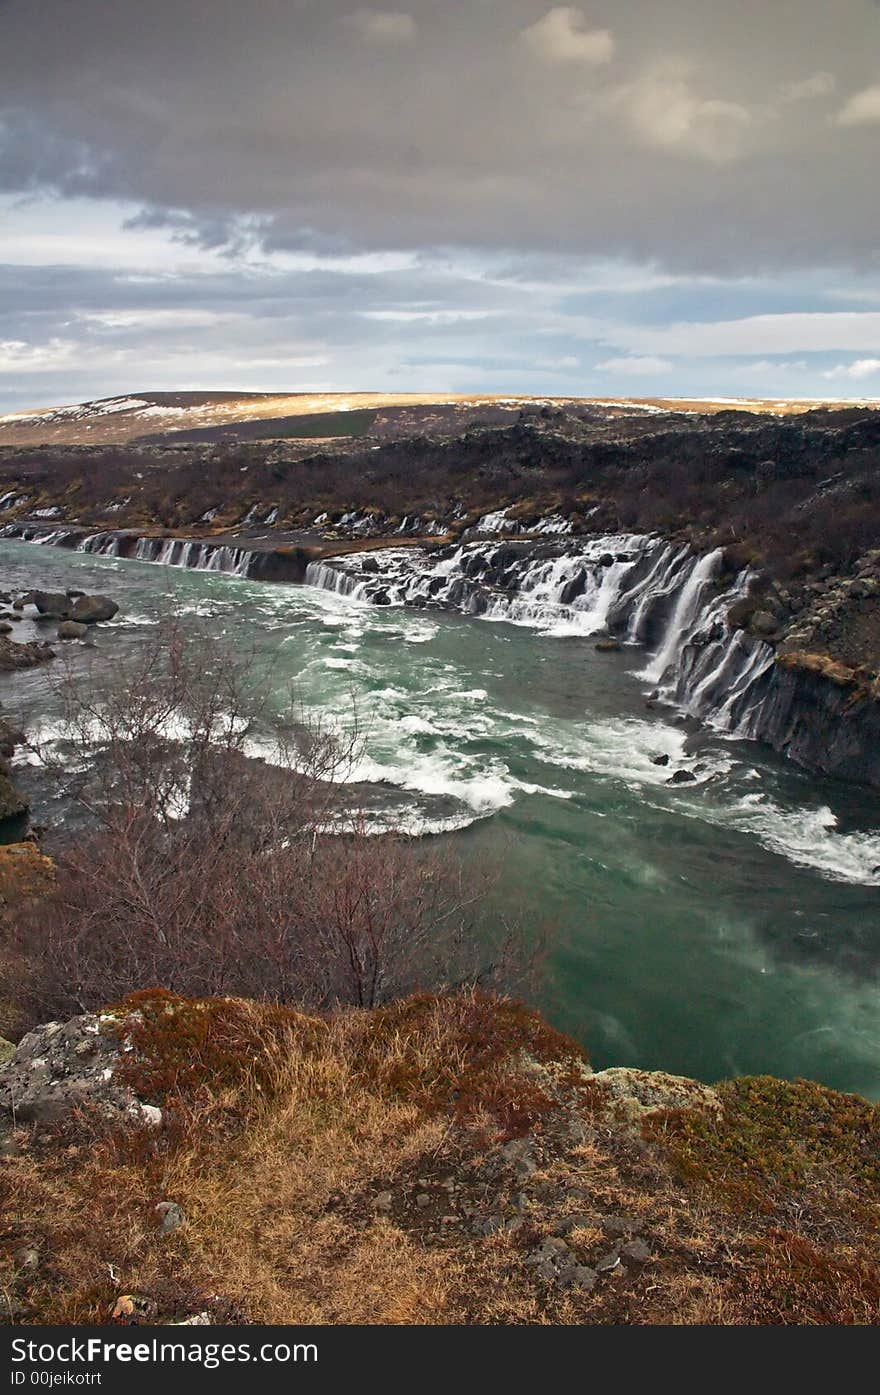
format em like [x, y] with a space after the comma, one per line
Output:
[774, 1137]
[320, 425]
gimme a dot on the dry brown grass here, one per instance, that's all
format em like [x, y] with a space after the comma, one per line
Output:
[279, 1150]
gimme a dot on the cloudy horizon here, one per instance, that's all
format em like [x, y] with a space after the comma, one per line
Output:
[606, 199]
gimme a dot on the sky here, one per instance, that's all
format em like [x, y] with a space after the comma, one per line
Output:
[620, 198]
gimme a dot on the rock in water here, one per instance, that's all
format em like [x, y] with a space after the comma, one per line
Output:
[682, 777]
[55, 604]
[89, 610]
[72, 629]
[15, 656]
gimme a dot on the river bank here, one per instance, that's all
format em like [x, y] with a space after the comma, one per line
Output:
[724, 924]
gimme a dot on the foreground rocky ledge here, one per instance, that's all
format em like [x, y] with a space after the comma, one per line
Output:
[442, 1159]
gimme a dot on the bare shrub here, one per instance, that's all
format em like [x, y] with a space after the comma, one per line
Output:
[204, 869]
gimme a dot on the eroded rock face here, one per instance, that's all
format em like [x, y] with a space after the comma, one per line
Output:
[824, 716]
[61, 1067]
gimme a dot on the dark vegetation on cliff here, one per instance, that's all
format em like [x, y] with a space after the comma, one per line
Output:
[770, 486]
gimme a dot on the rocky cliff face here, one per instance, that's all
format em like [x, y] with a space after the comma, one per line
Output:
[823, 716]
[717, 647]
[446, 1160]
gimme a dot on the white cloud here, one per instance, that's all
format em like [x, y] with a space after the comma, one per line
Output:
[861, 368]
[562, 37]
[665, 113]
[764, 366]
[820, 84]
[184, 318]
[16, 356]
[383, 26]
[636, 367]
[811, 332]
[426, 317]
[862, 109]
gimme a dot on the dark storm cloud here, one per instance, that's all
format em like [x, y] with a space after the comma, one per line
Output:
[704, 135]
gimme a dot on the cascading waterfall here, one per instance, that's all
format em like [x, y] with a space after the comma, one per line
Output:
[664, 598]
[180, 552]
[165, 552]
[668, 599]
[689, 598]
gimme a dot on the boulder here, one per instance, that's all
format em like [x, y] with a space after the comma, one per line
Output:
[61, 1067]
[607, 646]
[55, 604]
[5, 627]
[682, 777]
[72, 629]
[16, 656]
[740, 613]
[89, 610]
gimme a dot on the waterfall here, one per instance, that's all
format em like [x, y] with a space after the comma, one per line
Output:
[666, 599]
[199, 556]
[685, 615]
[103, 544]
[164, 552]
[328, 578]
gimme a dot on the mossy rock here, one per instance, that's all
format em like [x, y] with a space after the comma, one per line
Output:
[631, 1096]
